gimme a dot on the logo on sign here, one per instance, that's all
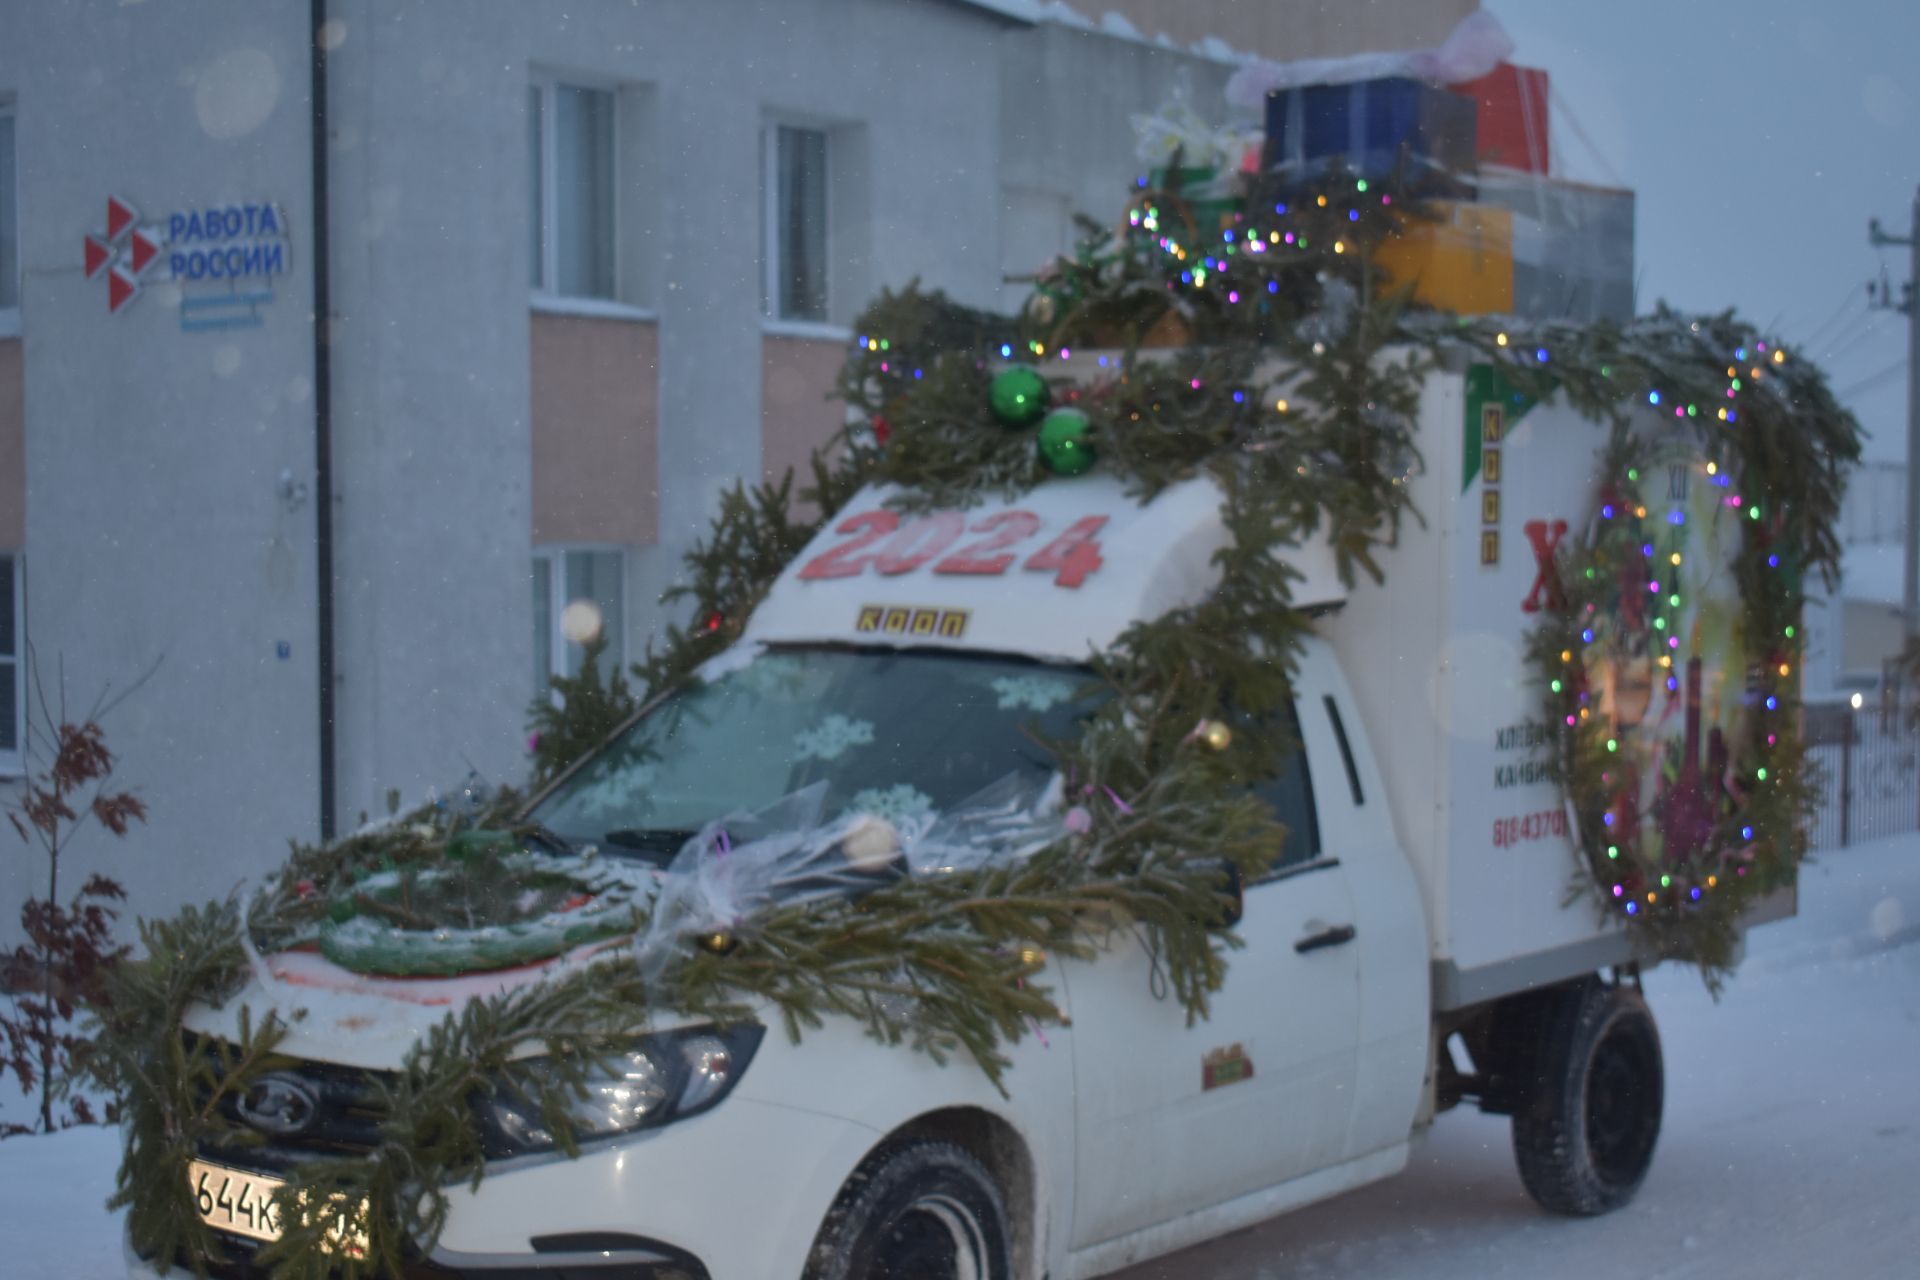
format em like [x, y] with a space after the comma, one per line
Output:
[280, 1105]
[123, 253]
[905, 620]
[223, 257]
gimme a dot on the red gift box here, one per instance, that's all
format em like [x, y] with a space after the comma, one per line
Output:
[1513, 117]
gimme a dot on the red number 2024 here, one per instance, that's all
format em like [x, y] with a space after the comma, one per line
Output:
[1072, 557]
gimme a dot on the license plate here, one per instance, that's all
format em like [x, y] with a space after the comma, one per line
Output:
[240, 1201]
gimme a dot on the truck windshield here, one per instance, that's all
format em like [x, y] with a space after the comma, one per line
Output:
[892, 733]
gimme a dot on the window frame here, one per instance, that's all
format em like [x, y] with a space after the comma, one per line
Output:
[770, 224]
[10, 314]
[555, 555]
[13, 764]
[544, 288]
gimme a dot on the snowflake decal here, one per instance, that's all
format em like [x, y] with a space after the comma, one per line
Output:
[1035, 693]
[830, 739]
[897, 804]
[621, 791]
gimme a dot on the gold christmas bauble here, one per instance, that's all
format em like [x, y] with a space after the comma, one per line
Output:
[1216, 734]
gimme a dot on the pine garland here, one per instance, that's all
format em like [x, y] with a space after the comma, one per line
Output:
[1295, 388]
[1770, 426]
[577, 713]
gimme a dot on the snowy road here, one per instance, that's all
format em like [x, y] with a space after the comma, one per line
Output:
[1791, 1147]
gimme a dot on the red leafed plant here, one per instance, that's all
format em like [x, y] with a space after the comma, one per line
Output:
[69, 946]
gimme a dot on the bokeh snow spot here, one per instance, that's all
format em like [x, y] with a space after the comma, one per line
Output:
[235, 95]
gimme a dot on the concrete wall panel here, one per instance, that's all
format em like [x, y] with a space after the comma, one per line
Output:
[155, 528]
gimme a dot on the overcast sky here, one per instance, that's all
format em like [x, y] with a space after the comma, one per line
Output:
[1760, 135]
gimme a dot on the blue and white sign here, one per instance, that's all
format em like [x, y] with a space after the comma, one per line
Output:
[225, 258]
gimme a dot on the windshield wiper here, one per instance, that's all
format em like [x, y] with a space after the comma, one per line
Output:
[659, 842]
[552, 841]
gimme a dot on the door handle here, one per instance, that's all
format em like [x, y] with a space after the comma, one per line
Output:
[1337, 936]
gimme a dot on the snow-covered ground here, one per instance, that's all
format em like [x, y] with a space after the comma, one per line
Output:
[1791, 1146]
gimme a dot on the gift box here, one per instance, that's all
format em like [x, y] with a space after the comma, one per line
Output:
[1511, 129]
[1370, 126]
[1572, 246]
[1462, 263]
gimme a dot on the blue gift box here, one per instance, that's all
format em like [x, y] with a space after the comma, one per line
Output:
[1369, 125]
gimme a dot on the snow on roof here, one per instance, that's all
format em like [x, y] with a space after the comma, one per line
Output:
[1057, 13]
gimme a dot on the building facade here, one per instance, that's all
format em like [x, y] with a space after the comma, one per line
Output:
[536, 281]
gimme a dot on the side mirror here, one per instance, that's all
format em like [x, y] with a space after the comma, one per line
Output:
[1232, 890]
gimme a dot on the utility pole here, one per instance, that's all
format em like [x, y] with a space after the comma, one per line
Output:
[1906, 306]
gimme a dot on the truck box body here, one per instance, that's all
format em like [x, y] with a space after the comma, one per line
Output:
[1437, 659]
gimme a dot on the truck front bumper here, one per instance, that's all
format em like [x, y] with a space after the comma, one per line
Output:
[737, 1192]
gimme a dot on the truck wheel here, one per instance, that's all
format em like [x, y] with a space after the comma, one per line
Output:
[1585, 1127]
[920, 1209]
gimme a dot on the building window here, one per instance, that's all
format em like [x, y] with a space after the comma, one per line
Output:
[570, 152]
[13, 693]
[560, 577]
[794, 188]
[9, 218]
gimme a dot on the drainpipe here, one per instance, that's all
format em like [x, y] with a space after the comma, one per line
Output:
[322, 413]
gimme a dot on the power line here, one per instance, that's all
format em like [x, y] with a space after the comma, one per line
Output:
[1563, 112]
[1853, 331]
[1873, 380]
[1854, 297]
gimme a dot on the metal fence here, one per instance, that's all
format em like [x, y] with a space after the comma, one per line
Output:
[1870, 759]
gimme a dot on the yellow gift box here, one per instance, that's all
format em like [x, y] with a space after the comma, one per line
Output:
[1463, 263]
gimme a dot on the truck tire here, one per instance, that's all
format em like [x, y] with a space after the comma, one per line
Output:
[1587, 1120]
[916, 1209]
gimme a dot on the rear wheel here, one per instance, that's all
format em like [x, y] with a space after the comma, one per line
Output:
[1585, 1126]
[920, 1209]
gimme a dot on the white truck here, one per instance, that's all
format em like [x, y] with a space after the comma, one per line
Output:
[1420, 911]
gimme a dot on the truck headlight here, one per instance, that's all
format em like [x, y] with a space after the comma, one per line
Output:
[653, 1081]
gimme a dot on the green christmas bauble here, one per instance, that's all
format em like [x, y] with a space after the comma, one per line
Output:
[1019, 395]
[1064, 444]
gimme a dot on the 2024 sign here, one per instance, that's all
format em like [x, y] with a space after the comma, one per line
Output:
[889, 548]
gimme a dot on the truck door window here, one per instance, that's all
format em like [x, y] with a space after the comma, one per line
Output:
[1291, 795]
[1346, 751]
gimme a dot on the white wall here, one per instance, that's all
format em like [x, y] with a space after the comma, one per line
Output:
[153, 524]
[153, 528]
[431, 235]
[1066, 130]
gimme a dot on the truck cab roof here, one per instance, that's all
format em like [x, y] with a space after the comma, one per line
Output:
[1056, 574]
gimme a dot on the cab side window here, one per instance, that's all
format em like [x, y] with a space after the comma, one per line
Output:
[1291, 795]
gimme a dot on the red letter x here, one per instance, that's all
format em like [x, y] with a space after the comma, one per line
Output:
[1547, 580]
